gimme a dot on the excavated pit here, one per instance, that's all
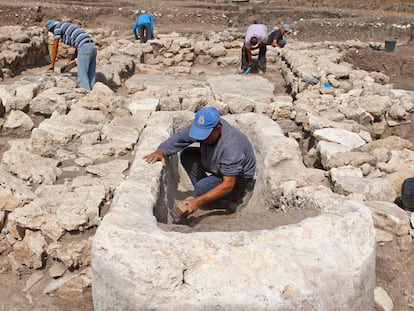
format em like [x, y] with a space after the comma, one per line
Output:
[249, 216]
[137, 262]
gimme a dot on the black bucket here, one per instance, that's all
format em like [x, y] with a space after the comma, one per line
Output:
[407, 194]
[390, 45]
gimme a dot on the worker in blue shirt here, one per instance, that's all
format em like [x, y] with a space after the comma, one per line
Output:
[145, 27]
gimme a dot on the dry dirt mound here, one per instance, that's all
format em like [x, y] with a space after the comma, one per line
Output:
[399, 65]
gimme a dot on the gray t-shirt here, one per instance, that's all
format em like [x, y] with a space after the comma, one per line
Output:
[232, 155]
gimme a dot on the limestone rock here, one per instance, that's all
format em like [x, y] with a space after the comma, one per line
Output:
[31, 252]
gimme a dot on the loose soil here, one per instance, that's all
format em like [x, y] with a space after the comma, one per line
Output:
[317, 20]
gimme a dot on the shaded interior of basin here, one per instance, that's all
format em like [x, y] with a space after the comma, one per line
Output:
[176, 186]
[219, 220]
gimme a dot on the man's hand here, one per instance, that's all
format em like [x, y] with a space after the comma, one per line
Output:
[51, 69]
[155, 157]
[192, 205]
[274, 44]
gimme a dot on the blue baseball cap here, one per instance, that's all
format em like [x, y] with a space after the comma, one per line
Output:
[286, 27]
[50, 24]
[204, 122]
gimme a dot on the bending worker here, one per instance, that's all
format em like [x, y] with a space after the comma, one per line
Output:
[221, 168]
[145, 27]
[85, 50]
[255, 38]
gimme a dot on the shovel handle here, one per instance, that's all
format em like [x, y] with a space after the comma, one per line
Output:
[247, 70]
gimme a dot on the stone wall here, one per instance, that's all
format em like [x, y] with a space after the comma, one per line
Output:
[21, 47]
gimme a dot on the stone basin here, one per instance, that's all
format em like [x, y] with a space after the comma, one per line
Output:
[325, 262]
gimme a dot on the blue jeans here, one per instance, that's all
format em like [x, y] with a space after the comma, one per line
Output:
[87, 66]
[202, 181]
[261, 59]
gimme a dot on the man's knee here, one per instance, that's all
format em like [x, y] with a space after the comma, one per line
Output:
[281, 43]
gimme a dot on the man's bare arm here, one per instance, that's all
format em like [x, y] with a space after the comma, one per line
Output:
[214, 194]
[54, 54]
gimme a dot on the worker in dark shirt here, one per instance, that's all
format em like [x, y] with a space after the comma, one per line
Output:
[276, 37]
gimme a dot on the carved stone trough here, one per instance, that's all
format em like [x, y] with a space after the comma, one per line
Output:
[326, 262]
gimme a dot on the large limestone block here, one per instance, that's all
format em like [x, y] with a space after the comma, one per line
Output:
[18, 121]
[338, 70]
[350, 158]
[31, 252]
[55, 99]
[390, 142]
[365, 188]
[163, 86]
[400, 160]
[376, 105]
[144, 104]
[328, 260]
[67, 210]
[390, 217]
[327, 150]
[20, 161]
[13, 192]
[117, 70]
[340, 136]
[235, 91]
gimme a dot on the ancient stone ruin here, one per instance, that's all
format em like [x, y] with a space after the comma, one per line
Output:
[327, 260]
[73, 164]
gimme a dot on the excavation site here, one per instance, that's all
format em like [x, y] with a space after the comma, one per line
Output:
[88, 224]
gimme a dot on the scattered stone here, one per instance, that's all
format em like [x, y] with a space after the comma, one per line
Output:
[382, 301]
[71, 285]
[57, 270]
[31, 252]
[383, 236]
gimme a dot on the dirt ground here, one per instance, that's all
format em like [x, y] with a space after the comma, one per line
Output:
[317, 20]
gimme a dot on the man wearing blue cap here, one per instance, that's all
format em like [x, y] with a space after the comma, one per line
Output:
[276, 36]
[85, 50]
[221, 168]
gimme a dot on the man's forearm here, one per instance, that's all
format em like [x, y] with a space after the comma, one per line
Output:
[54, 52]
[217, 192]
[249, 56]
[74, 55]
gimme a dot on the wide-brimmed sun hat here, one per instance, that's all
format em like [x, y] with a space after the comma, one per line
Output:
[204, 122]
[50, 24]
